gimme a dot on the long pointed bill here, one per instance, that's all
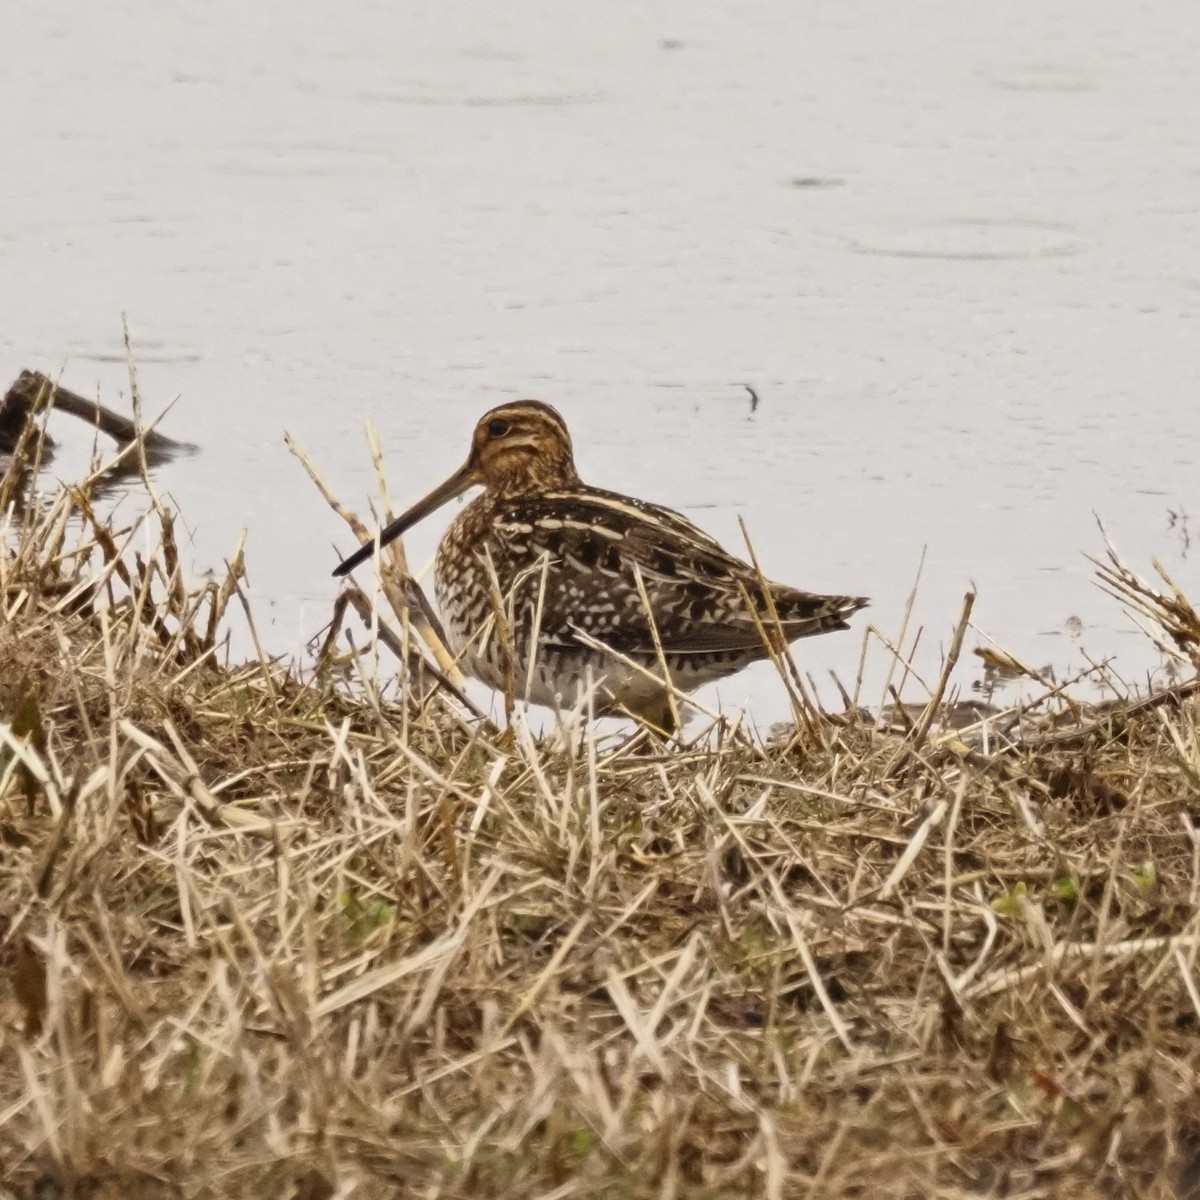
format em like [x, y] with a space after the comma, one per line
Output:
[458, 483]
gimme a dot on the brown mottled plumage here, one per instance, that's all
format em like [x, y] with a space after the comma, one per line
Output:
[567, 559]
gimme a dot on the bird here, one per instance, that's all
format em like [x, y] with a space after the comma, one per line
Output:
[551, 588]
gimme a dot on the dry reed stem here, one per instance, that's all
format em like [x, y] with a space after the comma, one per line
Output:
[403, 593]
[935, 700]
[804, 707]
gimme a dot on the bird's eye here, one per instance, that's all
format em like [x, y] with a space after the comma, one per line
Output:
[497, 427]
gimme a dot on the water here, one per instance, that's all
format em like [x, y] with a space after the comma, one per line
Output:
[957, 254]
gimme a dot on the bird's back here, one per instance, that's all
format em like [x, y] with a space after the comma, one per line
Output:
[573, 560]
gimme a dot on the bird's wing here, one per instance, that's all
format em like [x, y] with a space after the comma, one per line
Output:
[600, 542]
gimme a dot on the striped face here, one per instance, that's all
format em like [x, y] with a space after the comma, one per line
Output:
[522, 447]
[517, 449]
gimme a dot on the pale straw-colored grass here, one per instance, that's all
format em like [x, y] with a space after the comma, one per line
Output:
[272, 935]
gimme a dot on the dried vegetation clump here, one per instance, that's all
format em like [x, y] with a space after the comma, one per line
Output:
[272, 935]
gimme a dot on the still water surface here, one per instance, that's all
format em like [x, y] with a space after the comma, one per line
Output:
[955, 249]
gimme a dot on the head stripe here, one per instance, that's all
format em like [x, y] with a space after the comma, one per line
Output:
[530, 408]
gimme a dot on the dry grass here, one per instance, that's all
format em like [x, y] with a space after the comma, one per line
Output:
[265, 936]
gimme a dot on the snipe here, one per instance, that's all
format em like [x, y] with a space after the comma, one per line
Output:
[567, 558]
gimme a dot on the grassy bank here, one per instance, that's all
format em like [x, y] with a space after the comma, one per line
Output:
[273, 936]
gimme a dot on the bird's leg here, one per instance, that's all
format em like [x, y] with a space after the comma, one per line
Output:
[658, 716]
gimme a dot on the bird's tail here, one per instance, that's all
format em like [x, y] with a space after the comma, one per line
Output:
[803, 614]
